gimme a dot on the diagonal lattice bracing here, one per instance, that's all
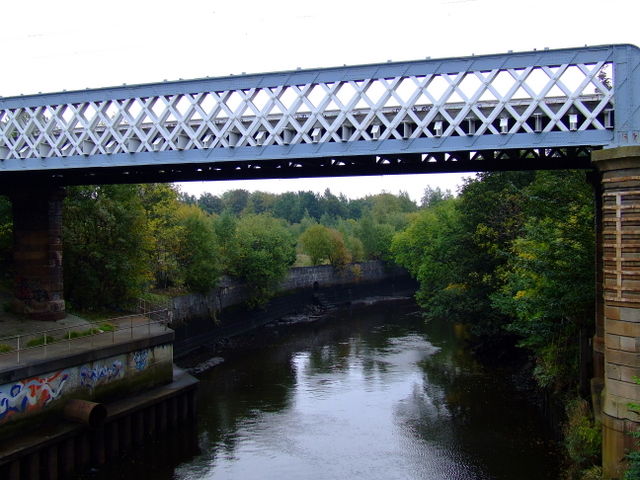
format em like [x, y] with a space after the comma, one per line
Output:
[551, 99]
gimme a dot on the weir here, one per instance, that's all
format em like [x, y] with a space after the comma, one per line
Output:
[546, 109]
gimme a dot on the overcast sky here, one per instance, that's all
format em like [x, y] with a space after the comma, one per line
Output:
[49, 46]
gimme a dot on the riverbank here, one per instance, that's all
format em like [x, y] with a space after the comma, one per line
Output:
[215, 352]
[197, 323]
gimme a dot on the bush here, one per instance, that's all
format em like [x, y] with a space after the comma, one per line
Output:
[108, 327]
[4, 348]
[633, 472]
[582, 437]
[103, 327]
[36, 342]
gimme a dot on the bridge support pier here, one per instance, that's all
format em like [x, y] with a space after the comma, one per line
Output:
[37, 252]
[619, 334]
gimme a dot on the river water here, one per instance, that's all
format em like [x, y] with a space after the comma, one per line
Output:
[369, 392]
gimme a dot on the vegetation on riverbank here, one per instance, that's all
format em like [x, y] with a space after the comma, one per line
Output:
[123, 241]
[513, 255]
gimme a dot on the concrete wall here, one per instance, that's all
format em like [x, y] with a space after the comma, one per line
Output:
[33, 394]
[198, 319]
[232, 292]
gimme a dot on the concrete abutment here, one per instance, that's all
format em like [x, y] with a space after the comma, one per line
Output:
[617, 340]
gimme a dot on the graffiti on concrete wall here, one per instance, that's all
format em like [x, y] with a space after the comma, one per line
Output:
[140, 358]
[31, 394]
[100, 374]
[29, 290]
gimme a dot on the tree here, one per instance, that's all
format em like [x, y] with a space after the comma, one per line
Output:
[317, 243]
[187, 199]
[288, 207]
[264, 251]
[339, 255]
[224, 228]
[322, 243]
[261, 202]
[6, 236]
[199, 261]
[490, 208]
[432, 197]
[106, 244]
[235, 200]
[160, 201]
[427, 249]
[375, 237]
[548, 280]
[332, 206]
[211, 204]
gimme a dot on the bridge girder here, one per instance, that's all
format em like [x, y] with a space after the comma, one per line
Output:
[360, 120]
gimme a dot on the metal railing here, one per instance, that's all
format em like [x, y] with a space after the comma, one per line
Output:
[56, 341]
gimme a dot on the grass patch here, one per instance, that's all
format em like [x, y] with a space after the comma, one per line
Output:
[4, 348]
[73, 334]
[36, 342]
[101, 328]
[108, 327]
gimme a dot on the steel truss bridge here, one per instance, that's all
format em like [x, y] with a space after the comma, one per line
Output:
[532, 110]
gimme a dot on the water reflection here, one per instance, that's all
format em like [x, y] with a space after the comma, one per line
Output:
[370, 393]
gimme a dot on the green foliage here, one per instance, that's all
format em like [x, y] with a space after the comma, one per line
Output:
[224, 228]
[154, 297]
[582, 436]
[85, 333]
[235, 200]
[210, 204]
[124, 240]
[633, 458]
[339, 255]
[107, 327]
[199, 251]
[375, 237]
[633, 472]
[317, 243]
[263, 250]
[512, 255]
[4, 348]
[546, 279]
[6, 235]
[433, 196]
[106, 245]
[165, 233]
[36, 342]
[427, 248]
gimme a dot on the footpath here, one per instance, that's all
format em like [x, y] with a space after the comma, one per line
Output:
[66, 336]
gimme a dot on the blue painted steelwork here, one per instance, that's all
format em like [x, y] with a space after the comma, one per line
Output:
[425, 111]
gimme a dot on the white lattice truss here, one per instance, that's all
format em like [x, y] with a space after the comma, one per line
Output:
[469, 107]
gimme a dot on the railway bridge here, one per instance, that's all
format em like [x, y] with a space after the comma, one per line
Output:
[547, 109]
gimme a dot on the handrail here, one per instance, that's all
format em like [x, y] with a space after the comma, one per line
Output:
[19, 343]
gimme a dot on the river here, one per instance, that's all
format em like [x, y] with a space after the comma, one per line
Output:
[368, 392]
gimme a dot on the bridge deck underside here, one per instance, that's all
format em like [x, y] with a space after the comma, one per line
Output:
[360, 165]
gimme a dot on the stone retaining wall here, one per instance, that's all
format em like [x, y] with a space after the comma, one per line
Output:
[232, 292]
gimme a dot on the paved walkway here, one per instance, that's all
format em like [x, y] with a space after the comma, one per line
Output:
[16, 331]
